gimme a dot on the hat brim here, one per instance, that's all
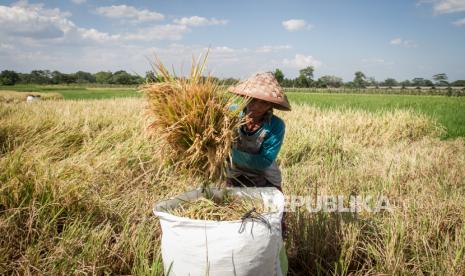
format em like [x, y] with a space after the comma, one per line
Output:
[278, 104]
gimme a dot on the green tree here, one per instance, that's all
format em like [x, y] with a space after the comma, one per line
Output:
[406, 83]
[24, 78]
[458, 83]
[441, 79]
[57, 77]
[123, 77]
[278, 74]
[305, 78]
[150, 76]
[84, 77]
[390, 82]
[360, 80]
[301, 81]
[8, 77]
[349, 84]
[230, 81]
[372, 81]
[329, 81]
[41, 76]
[418, 82]
[288, 83]
[69, 78]
[103, 77]
[428, 83]
[137, 79]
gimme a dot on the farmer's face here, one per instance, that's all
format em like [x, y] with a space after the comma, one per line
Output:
[257, 108]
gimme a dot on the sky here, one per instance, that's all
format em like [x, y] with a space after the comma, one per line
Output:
[400, 39]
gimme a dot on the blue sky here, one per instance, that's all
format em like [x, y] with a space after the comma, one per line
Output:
[398, 38]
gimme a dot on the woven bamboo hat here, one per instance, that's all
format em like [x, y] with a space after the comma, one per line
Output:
[263, 86]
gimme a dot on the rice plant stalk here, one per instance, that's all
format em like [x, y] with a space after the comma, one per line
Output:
[193, 117]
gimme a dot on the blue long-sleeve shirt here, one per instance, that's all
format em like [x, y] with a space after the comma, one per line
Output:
[269, 149]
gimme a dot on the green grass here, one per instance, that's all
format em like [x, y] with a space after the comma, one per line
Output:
[78, 91]
[448, 111]
[106, 93]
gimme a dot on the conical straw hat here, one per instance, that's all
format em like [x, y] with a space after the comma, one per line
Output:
[263, 86]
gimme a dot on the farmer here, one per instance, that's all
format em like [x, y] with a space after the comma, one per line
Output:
[260, 139]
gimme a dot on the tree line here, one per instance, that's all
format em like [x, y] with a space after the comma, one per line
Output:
[305, 79]
[9, 77]
[121, 77]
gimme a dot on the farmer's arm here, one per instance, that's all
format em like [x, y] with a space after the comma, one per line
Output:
[268, 152]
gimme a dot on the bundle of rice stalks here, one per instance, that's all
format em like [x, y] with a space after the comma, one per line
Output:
[226, 207]
[192, 116]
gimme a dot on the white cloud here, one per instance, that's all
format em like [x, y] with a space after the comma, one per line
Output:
[272, 48]
[222, 49]
[200, 21]
[226, 54]
[373, 60]
[158, 32]
[6, 46]
[421, 2]
[301, 61]
[410, 44]
[149, 34]
[34, 21]
[97, 36]
[214, 52]
[459, 23]
[376, 62]
[223, 60]
[404, 43]
[219, 56]
[396, 41]
[296, 24]
[78, 2]
[448, 6]
[129, 12]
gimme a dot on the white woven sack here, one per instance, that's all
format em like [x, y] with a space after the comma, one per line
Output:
[202, 247]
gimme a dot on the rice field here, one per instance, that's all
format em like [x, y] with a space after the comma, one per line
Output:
[74, 92]
[17, 97]
[79, 179]
[448, 111]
